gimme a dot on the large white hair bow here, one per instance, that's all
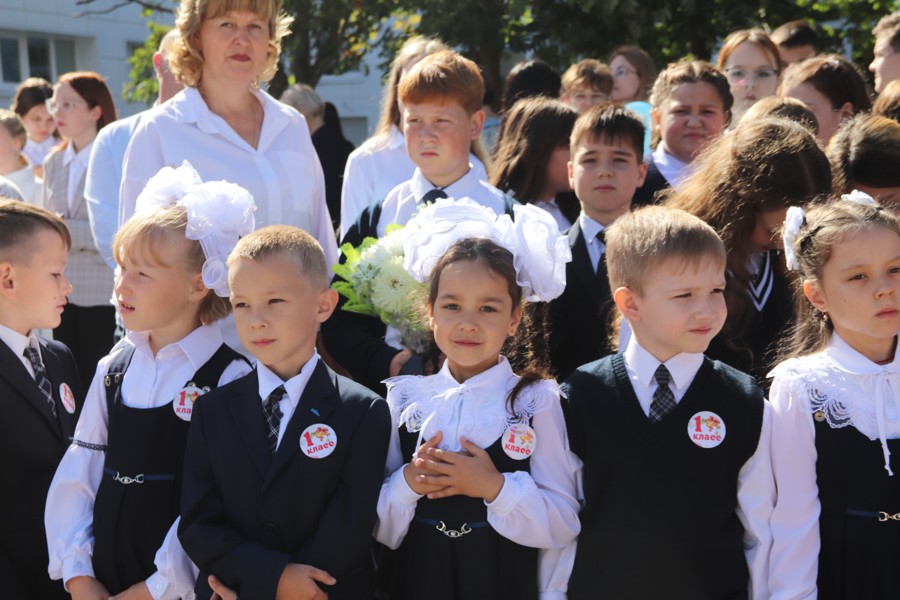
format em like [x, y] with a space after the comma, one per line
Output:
[792, 224]
[540, 252]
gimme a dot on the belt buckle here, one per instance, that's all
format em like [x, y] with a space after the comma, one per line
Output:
[453, 533]
[883, 516]
[125, 480]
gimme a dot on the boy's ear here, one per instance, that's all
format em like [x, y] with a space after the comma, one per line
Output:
[642, 167]
[476, 122]
[626, 303]
[7, 284]
[813, 292]
[325, 304]
[571, 168]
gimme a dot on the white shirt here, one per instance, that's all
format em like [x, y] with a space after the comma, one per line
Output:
[589, 229]
[150, 382]
[17, 342]
[37, 152]
[28, 183]
[849, 386]
[553, 208]
[674, 170]
[536, 509]
[379, 165]
[76, 163]
[282, 173]
[755, 484]
[269, 381]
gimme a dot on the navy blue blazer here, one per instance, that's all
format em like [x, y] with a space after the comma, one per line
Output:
[246, 514]
[653, 183]
[32, 442]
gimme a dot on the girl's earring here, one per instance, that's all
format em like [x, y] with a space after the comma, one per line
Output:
[824, 316]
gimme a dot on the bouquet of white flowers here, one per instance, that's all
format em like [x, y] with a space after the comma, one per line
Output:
[375, 283]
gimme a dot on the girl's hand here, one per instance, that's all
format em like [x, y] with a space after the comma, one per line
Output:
[87, 588]
[417, 468]
[138, 591]
[220, 590]
[471, 473]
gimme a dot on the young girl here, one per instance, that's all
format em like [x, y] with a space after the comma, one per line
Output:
[531, 162]
[742, 187]
[13, 163]
[836, 408]
[691, 107]
[752, 65]
[633, 76]
[116, 494]
[489, 479]
[30, 104]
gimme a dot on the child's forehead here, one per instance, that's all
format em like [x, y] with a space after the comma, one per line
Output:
[601, 142]
[442, 104]
[682, 268]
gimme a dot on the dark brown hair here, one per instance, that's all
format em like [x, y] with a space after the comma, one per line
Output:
[865, 150]
[610, 122]
[527, 351]
[833, 76]
[785, 107]
[795, 34]
[34, 91]
[642, 63]
[888, 102]
[93, 90]
[689, 71]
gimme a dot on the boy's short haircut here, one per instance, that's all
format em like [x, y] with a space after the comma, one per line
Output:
[640, 241]
[889, 27]
[283, 240]
[796, 34]
[588, 73]
[441, 76]
[610, 122]
[20, 223]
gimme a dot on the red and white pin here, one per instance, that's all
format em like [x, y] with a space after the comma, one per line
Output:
[67, 397]
[706, 429]
[318, 440]
[519, 442]
[183, 404]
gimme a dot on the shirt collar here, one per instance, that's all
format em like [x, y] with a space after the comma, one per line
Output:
[294, 386]
[15, 340]
[589, 228]
[464, 187]
[682, 367]
[191, 107]
[495, 378]
[673, 169]
[198, 346]
[852, 361]
[80, 157]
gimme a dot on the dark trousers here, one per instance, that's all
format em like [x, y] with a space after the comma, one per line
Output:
[89, 333]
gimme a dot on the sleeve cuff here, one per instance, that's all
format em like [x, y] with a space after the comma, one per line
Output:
[508, 497]
[552, 596]
[157, 584]
[401, 490]
[76, 566]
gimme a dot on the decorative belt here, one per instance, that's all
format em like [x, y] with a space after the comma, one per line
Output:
[882, 516]
[452, 533]
[139, 478]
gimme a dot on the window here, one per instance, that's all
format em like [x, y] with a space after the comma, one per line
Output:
[23, 56]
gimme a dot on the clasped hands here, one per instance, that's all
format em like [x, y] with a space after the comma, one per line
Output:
[438, 473]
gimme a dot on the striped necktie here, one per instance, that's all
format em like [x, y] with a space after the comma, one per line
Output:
[40, 376]
[272, 412]
[663, 398]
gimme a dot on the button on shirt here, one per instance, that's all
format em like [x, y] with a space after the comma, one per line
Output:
[282, 173]
[294, 387]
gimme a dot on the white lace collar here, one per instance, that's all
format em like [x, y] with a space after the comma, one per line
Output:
[475, 409]
[846, 388]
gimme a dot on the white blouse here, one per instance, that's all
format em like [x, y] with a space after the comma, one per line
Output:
[149, 382]
[850, 391]
[536, 509]
[28, 183]
[36, 152]
[282, 173]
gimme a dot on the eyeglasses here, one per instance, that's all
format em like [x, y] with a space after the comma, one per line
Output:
[623, 71]
[737, 75]
[54, 107]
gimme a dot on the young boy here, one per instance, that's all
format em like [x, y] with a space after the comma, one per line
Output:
[40, 390]
[442, 115]
[677, 480]
[586, 83]
[283, 466]
[605, 170]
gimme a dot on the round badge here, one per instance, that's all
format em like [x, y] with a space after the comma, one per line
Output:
[318, 440]
[183, 404]
[519, 442]
[67, 397]
[706, 429]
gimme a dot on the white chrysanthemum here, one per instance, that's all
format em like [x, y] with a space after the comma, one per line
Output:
[393, 288]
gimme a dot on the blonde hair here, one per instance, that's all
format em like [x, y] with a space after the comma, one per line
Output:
[641, 241]
[186, 61]
[16, 129]
[291, 242]
[825, 226]
[589, 73]
[148, 233]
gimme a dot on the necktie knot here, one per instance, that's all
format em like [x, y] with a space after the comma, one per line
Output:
[662, 375]
[601, 237]
[434, 194]
[663, 399]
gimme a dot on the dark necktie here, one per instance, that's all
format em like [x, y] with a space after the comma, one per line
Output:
[272, 412]
[433, 195]
[602, 273]
[663, 398]
[40, 376]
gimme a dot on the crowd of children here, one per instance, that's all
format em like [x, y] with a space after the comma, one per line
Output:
[662, 360]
